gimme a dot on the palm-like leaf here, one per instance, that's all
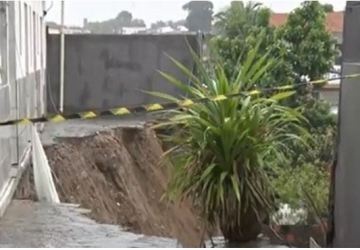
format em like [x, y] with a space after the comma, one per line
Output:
[225, 148]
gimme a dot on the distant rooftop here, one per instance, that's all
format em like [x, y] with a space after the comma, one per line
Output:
[334, 20]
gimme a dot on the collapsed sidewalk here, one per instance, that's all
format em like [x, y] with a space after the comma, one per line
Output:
[116, 174]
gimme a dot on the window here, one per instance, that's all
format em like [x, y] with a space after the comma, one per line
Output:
[31, 40]
[20, 27]
[26, 37]
[3, 45]
[41, 37]
[38, 35]
[34, 34]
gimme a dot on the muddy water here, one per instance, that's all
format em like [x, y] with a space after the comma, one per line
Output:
[32, 224]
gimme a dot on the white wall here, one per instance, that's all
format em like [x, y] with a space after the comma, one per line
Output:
[30, 36]
[22, 84]
[30, 52]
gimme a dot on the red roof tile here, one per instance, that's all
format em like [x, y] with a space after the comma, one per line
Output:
[278, 19]
[334, 20]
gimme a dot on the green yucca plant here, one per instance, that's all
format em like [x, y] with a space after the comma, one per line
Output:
[224, 150]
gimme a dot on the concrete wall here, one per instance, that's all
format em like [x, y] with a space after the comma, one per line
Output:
[347, 172]
[105, 71]
[22, 71]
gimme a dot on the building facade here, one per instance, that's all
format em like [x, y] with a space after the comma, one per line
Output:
[22, 84]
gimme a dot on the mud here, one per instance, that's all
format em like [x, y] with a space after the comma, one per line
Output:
[118, 176]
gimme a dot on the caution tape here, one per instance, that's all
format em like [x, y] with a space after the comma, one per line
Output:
[121, 111]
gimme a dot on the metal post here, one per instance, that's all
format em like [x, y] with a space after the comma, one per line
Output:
[62, 58]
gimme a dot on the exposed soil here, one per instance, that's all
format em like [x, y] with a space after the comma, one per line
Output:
[117, 174]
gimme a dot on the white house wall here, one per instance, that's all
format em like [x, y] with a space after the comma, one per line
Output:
[22, 84]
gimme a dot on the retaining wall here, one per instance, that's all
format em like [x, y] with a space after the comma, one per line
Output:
[105, 71]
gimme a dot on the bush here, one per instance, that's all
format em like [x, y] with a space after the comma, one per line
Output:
[304, 187]
[226, 148]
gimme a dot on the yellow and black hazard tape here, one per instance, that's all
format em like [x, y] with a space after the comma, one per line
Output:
[120, 111]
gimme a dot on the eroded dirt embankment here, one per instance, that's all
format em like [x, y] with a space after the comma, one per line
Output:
[117, 174]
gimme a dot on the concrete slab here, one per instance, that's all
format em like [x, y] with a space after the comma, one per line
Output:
[81, 128]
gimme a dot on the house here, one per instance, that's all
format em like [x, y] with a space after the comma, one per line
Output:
[54, 28]
[132, 30]
[22, 85]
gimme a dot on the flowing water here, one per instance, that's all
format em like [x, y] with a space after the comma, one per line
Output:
[32, 224]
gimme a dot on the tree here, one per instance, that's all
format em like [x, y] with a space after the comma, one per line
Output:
[328, 7]
[312, 47]
[239, 20]
[115, 25]
[238, 29]
[200, 15]
[158, 24]
[302, 47]
[224, 149]
[180, 23]
[137, 23]
[123, 19]
[312, 52]
[172, 24]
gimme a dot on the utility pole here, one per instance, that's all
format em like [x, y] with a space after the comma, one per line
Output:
[345, 219]
[62, 57]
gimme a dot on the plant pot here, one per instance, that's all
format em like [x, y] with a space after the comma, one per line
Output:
[247, 230]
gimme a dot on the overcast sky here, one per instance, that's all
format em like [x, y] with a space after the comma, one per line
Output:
[148, 10]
